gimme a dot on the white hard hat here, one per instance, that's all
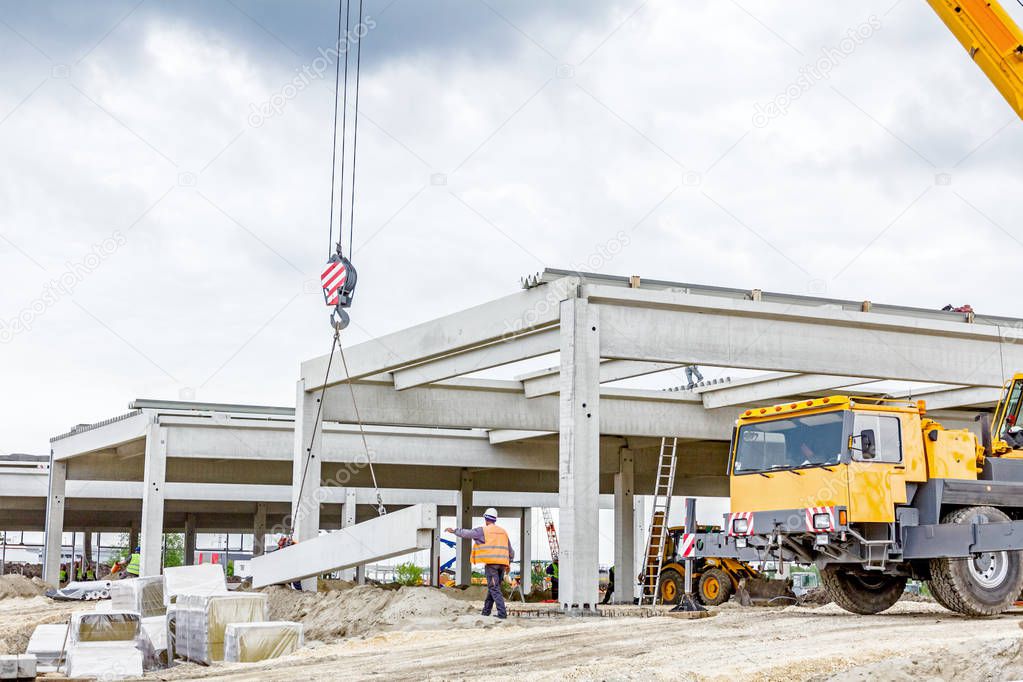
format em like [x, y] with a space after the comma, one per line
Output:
[490, 514]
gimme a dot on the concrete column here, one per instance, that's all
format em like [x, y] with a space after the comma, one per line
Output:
[133, 536]
[348, 511]
[579, 455]
[259, 530]
[463, 510]
[305, 505]
[625, 528]
[152, 500]
[87, 550]
[435, 560]
[526, 549]
[54, 521]
[641, 516]
[189, 539]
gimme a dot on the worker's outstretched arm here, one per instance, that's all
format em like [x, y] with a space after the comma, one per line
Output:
[992, 39]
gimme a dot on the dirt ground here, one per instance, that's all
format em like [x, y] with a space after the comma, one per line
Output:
[420, 633]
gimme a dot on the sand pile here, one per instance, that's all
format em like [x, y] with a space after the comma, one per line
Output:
[363, 609]
[19, 586]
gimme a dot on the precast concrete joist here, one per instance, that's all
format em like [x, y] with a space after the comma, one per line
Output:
[493, 404]
[501, 320]
[667, 326]
[774, 389]
[385, 537]
[547, 382]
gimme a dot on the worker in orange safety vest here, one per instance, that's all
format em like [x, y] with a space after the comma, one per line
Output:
[492, 548]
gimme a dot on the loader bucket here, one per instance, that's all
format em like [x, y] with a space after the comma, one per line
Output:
[764, 592]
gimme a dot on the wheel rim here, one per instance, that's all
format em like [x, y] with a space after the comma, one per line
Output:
[989, 569]
[711, 588]
[668, 591]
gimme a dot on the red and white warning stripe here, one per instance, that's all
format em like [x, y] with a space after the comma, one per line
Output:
[686, 545]
[334, 276]
[740, 515]
[813, 511]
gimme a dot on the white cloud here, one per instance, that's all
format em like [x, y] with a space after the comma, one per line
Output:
[206, 293]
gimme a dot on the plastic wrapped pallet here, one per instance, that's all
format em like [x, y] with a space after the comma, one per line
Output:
[196, 580]
[201, 622]
[105, 661]
[155, 628]
[47, 642]
[141, 595]
[254, 642]
[115, 626]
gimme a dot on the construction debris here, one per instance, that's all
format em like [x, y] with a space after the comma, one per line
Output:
[92, 590]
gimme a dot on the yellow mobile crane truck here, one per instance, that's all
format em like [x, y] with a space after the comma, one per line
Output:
[874, 492]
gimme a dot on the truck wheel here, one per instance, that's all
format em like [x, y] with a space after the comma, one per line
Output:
[983, 584]
[859, 591]
[670, 586]
[715, 587]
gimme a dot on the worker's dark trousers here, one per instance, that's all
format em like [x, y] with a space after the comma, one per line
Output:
[495, 576]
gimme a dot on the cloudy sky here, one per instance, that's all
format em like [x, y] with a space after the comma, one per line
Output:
[164, 193]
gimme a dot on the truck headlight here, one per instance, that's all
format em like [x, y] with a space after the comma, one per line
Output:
[740, 525]
[822, 521]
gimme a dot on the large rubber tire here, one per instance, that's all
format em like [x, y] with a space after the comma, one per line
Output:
[862, 592]
[715, 587]
[670, 587]
[981, 585]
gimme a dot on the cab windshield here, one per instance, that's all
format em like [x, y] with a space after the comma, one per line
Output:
[813, 440]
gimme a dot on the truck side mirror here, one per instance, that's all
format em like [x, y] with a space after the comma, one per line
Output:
[868, 444]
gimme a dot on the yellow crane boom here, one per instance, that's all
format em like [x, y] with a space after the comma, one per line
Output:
[992, 39]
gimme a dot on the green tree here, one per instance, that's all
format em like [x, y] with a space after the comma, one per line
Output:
[408, 574]
[174, 552]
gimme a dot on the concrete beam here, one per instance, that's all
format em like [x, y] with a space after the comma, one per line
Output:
[494, 355]
[385, 537]
[547, 382]
[665, 326]
[520, 313]
[960, 397]
[579, 477]
[499, 436]
[190, 531]
[115, 433]
[499, 405]
[775, 390]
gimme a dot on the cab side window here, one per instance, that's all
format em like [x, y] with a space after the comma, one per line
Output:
[887, 438]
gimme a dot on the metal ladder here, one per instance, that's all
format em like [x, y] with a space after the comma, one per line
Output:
[552, 533]
[663, 490]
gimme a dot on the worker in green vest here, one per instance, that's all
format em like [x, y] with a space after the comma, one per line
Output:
[552, 571]
[135, 563]
[63, 573]
[90, 573]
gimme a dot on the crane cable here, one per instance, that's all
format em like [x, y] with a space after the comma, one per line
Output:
[341, 92]
[355, 127]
